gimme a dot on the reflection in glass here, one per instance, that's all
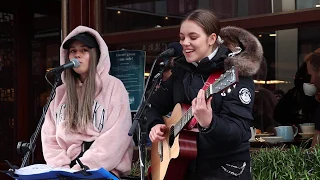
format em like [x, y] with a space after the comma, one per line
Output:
[154, 14]
[305, 4]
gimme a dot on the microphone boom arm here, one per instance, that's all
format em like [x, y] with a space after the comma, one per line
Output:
[139, 119]
[32, 144]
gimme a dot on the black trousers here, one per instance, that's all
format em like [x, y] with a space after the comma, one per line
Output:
[227, 172]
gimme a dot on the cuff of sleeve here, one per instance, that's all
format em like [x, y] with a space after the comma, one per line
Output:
[76, 167]
[211, 126]
[66, 166]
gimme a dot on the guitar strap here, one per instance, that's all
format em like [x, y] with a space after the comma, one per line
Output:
[213, 76]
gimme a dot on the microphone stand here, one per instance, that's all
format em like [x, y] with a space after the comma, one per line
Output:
[140, 119]
[28, 148]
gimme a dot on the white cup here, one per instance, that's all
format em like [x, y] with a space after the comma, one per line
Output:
[307, 128]
[309, 89]
[253, 133]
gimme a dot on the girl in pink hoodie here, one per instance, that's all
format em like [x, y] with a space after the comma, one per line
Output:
[90, 107]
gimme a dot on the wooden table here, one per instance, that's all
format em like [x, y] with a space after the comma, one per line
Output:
[256, 145]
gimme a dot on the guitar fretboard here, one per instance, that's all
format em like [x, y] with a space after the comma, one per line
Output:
[223, 82]
[187, 116]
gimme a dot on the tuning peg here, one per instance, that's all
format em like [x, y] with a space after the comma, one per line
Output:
[235, 85]
[223, 93]
[229, 90]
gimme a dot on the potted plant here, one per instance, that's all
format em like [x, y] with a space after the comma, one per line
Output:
[135, 173]
[286, 163]
[277, 163]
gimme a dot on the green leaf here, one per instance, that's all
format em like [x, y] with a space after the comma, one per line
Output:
[295, 162]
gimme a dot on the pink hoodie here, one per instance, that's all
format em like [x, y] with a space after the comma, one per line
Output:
[112, 147]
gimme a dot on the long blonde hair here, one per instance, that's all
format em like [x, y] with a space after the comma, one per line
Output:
[78, 112]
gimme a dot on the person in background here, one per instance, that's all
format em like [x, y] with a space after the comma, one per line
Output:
[278, 93]
[313, 67]
[89, 118]
[264, 103]
[295, 107]
[223, 120]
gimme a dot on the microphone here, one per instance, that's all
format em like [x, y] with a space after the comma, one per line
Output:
[74, 63]
[174, 50]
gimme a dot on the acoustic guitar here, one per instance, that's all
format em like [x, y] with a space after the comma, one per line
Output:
[170, 158]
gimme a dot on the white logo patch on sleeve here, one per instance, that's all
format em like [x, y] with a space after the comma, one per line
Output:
[245, 95]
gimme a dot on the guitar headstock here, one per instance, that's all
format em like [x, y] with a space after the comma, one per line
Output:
[226, 82]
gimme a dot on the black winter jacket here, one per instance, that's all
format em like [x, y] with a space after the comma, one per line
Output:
[227, 138]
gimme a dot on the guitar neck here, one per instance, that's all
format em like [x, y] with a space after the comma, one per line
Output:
[187, 116]
[225, 81]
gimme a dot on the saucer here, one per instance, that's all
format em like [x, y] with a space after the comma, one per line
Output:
[272, 139]
[306, 135]
[263, 135]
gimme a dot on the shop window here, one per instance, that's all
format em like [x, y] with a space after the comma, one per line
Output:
[120, 17]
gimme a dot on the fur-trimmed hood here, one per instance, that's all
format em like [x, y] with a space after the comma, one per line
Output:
[249, 59]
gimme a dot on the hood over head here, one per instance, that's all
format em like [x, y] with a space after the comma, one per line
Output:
[249, 59]
[86, 35]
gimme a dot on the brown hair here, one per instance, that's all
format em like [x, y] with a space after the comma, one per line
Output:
[314, 59]
[78, 110]
[206, 19]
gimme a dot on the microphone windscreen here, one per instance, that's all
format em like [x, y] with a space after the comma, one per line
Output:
[75, 62]
[177, 48]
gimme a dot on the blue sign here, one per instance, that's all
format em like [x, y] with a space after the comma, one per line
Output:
[129, 66]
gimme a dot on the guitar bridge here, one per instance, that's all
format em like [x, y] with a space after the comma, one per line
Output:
[160, 150]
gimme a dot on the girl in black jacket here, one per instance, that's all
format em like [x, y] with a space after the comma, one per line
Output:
[223, 120]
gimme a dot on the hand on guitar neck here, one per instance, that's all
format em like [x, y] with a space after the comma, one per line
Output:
[157, 132]
[201, 109]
